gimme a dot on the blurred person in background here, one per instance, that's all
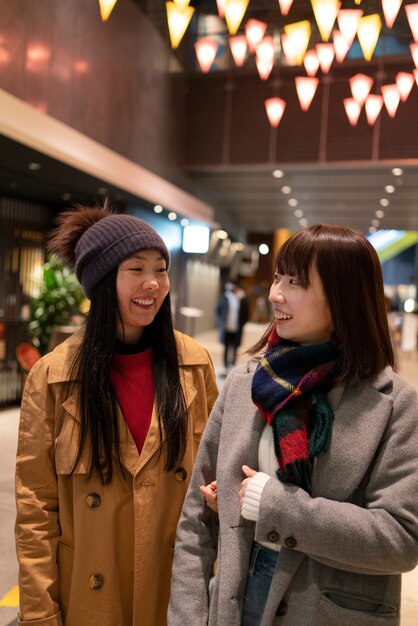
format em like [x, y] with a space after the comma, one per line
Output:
[231, 314]
[309, 462]
[109, 429]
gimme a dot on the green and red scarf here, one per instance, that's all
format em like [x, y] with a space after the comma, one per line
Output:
[290, 388]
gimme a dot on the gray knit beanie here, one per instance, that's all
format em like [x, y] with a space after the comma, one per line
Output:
[108, 242]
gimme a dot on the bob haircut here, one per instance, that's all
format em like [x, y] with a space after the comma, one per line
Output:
[351, 276]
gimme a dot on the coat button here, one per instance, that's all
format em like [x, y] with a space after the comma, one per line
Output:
[290, 542]
[93, 500]
[96, 582]
[180, 474]
[281, 609]
[273, 536]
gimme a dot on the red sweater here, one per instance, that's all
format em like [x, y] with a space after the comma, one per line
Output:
[132, 378]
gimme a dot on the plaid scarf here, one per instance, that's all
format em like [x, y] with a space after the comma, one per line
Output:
[290, 388]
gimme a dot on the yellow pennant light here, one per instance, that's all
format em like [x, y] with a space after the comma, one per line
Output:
[106, 8]
[178, 19]
[325, 12]
[368, 33]
[298, 35]
[234, 12]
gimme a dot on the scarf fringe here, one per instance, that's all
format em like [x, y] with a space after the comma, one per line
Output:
[297, 472]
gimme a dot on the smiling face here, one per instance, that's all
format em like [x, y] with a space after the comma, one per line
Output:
[142, 283]
[302, 313]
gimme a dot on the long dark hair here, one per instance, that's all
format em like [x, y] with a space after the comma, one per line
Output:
[97, 400]
[351, 276]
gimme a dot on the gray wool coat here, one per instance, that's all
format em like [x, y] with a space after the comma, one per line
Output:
[343, 548]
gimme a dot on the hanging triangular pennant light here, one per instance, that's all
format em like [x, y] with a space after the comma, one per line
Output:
[264, 67]
[360, 86]
[275, 108]
[325, 52]
[106, 8]
[404, 81]
[234, 12]
[221, 7]
[373, 106]
[391, 98]
[340, 46]
[285, 6]
[298, 35]
[411, 11]
[306, 88]
[390, 11]
[238, 46]
[182, 3]
[288, 49]
[206, 50]
[311, 62]
[325, 12]
[353, 109]
[254, 31]
[416, 76]
[178, 20]
[414, 51]
[348, 21]
[368, 33]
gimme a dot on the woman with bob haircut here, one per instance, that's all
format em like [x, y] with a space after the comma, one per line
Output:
[309, 462]
[109, 429]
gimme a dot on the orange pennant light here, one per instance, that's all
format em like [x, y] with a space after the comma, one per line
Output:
[325, 52]
[416, 76]
[353, 109]
[182, 3]
[373, 106]
[265, 49]
[275, 108]
[298, 35]
[288, 49]
[348, 21]
[390, 11]
[238, 46]
[234, 12]
[325, 12]
[264, 67]
[391, 98]
[285, 6]
[311, 62]
[106, 8]
[221, 7]
[254, 31]
[340, 46]
[360, 86]
[414, 51]
[411, 11]
[206, 50]
[178, 19]
[404, 81]
[368, 33]
[306, 88]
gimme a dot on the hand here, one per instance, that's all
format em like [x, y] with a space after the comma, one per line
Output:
[249, 474]
[210, 495]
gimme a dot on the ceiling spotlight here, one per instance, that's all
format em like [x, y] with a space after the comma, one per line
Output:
[222, 234]
[278, 173]
[372, 229]
[397, 171]
[292, 202]
[184, 221]
[158, 208]
[172, 216]
[286, 189]
[389, 188]
[384, 202]
[380, 214]
[263, 248]
[303, 222]
[34, 166]
[298, 213]
[66, 196]
[375, 223]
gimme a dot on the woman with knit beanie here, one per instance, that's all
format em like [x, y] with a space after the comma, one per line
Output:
[309, 462]
[109, 429]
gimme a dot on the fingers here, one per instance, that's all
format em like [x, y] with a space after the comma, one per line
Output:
[248, 471]
[210, 495]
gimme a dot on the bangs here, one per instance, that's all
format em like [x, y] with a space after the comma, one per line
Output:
[296, 256]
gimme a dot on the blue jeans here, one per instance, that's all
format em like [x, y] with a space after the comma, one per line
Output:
[260, 573]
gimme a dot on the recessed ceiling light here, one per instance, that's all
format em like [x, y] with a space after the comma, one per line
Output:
[172, 216]
[375, 223]
[397, 171]
[384, 202]
[158, 208]
[286, 189]
[184, 221]
[263, 248]
[66, 196]
[298, 213]
[389, 188]
[102, 191]
[380, 214]
[303, 222]
[372, 229]
[278, 173]
[292, 202]
[34, 166]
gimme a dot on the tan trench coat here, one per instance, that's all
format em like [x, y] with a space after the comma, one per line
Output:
[94, 555]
